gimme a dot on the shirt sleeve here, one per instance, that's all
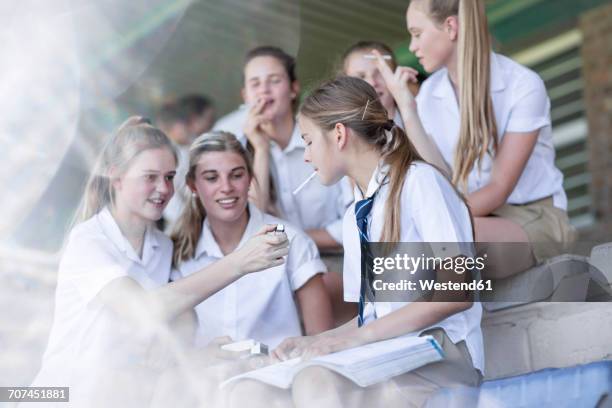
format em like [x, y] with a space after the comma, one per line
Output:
[88, 266]
[440, 216]
[303, 261]
[351, 268]
[530, 109]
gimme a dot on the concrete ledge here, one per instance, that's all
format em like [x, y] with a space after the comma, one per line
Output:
[542, 335]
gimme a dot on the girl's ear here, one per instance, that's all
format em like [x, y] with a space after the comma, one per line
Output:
[340, 135]
[451, 27]
[191, 186]
[114, 178]
[295, 89]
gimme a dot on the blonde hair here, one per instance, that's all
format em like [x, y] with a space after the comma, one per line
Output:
[478, 127]
[133, 137]
[186, 233]
[354, 103]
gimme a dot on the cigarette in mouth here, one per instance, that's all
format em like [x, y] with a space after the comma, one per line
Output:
[297, 190]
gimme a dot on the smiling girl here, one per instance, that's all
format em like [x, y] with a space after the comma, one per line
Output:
[218, 222]
[112, 291]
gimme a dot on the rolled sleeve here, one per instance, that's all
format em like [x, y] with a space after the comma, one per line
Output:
[530, 105]
[303, 261]
[440, 216]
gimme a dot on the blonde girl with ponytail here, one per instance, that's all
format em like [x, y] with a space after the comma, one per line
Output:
[347, 132]
[489, 118]
[113, 297]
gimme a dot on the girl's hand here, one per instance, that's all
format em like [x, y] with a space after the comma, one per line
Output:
[330, 344]
[309, 347]
[262, 251]
[258, 129]
[397, 82]
[292, 347]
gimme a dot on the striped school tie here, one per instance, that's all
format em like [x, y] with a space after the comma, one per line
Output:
[362, 210]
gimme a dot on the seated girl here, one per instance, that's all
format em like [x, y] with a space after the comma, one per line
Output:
[113, 302]
[399, 198]
[218, 221]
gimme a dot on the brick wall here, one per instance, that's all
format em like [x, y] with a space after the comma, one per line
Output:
[596, 26]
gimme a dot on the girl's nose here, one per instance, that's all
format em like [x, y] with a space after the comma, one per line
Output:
[165, 186]
[226, 185]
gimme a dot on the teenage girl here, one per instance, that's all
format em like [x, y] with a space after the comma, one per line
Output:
[489, 117]
[357, 62]
[347, 132]
[270, 90]
[112, 290]
[218, 221]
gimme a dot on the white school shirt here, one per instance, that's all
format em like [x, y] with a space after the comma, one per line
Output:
[259, 305]
[316, 205]
[86, 335]
[431, 211]
[521, 105]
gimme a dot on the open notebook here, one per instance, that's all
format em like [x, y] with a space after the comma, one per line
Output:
[364, 365]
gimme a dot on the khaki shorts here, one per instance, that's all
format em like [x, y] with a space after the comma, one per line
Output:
[547, 227]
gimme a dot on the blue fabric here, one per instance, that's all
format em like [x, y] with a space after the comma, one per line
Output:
[576, 387]
[362, 211]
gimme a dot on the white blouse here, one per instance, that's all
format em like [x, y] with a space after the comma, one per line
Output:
[521, 105]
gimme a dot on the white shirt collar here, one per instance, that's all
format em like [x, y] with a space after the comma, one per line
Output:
[444, 88]
[379, 178]
[295, 142]
[208, 245]
[113, 232]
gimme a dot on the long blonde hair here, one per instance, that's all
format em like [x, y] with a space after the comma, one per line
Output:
[478, 128]
[134, 136]
[186, 233]
[354, 103]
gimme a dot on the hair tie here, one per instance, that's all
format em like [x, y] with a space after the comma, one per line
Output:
[389, 125]
[365, 109]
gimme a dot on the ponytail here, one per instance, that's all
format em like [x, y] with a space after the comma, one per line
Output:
[398, 153]
[478, 129]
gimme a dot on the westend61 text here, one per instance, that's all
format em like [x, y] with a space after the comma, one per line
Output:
[432, 284]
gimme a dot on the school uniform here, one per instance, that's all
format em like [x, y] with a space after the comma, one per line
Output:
[88, 341]
[521, 105]
[431, 212]
[316, 206]
[260, 305]
[233, 121]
